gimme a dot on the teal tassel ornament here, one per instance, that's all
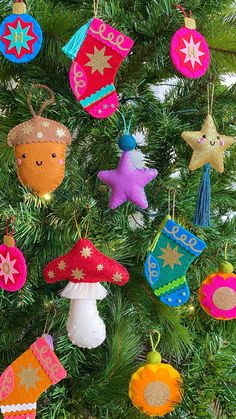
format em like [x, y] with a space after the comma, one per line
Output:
[72, 47]
[202, 216]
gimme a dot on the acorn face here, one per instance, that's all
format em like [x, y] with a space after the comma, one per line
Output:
[41, 166]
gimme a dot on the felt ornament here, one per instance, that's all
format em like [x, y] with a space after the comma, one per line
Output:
[189, 50]
[20, 35]
[23, 382]
[13, 269]
[168, 260]
[126, 181]
[155, 388]
[208, 147]
[85, 267]
[97, 51]
[217, 294]
[40, 149]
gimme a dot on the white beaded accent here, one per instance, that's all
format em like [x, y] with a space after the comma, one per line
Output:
[17, 407]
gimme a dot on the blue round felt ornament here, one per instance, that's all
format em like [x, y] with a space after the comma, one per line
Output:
[20, 35]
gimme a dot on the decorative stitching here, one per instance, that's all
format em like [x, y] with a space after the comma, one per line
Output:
[187, 241]
[100, 94]
[18, 407]
[174, 284]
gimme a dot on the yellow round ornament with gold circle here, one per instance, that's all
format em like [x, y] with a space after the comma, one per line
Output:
[155, 388]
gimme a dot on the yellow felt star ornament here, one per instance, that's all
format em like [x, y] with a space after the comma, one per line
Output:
[208, 145]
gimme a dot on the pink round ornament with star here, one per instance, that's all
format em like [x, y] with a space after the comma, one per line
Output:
[13, 270]
[189, 50]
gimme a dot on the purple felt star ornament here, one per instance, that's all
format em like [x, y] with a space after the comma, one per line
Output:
[127, 182]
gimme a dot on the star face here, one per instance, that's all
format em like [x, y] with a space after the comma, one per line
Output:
[117, 278]
[19, 37]
[192, 52]
[98, 61]
[78, 274]
[62, 265]
[127, 182]
[86, 252]
[208, 146]
[7, 269]
[28, 377]
[170, 256]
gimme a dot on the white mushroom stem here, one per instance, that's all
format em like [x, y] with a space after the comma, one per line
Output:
[85, 327]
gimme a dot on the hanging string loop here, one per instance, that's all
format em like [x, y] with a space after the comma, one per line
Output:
[155, 345]
[177, 6]
[12, 224]
[173, 192]
[45, 104]
[95, 7]
[210, 97]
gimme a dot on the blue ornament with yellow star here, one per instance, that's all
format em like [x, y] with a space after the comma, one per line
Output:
[168, 260]
[20, 35]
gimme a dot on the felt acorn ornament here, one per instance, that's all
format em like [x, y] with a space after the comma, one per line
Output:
[13, 269]
[40, 149]
[20, 35]
[217, 293]
[155, 388]
[85, 268]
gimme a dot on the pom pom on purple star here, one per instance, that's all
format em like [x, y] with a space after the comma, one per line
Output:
[127, 182]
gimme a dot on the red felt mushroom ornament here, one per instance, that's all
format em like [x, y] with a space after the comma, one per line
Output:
[85, 267]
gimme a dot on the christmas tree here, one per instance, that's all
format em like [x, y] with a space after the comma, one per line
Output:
[201, 348]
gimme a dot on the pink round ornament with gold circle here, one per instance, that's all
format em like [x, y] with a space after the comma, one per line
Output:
[13, 270]
[189, 50]
[217, 295]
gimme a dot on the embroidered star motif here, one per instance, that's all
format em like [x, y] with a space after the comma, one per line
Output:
[7, 269]
[62, 265]
[208, 146]
[51, 274]
[45, 124]
[78, 274]
[27, 129]
[117, 277]
[18, 37]
[170, 256]
[98, 61]
[39, 135]
[60, 132]
[86, 252]
[100, 267]
[192, 52]
[28, 377]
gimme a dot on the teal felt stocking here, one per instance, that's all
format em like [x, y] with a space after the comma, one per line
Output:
[168, 261]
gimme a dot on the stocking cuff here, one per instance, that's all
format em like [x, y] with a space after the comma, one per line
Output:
[184, 238]
[48, 360]
[13, 411]
[114, 39]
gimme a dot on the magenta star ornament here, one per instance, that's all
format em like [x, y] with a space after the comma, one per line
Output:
[127, 182]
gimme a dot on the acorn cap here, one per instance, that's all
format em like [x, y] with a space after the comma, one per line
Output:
[39, 130]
